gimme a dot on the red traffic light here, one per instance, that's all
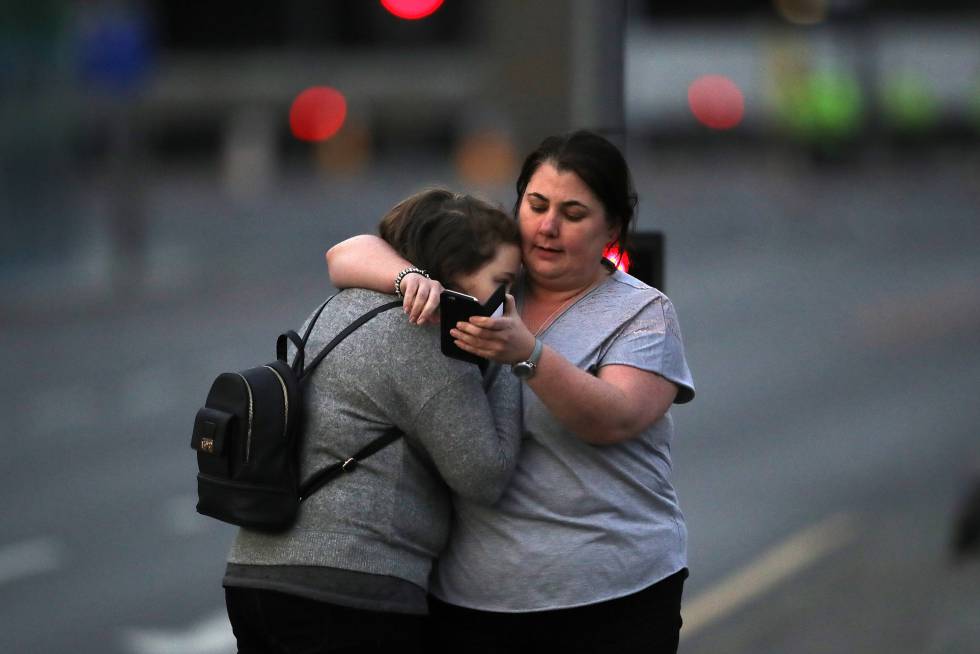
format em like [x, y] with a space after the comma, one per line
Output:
[317, 113]
[411, 9]
[619, 258]
[716, 101]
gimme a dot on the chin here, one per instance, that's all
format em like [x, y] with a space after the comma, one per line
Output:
[545, 271]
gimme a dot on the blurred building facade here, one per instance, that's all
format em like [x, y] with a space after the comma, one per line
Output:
[100, 93]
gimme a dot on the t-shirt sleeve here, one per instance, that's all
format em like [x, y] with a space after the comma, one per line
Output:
[651, 340]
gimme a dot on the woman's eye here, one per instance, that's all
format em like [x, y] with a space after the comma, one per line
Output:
[538, 208]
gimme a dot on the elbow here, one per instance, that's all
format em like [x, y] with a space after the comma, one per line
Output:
[335, 257]
[333, 253]
[490, 495]
[612, 433]
[331, 256]
[610, 436]
[620, 426]
[486, 489]
[484, 494]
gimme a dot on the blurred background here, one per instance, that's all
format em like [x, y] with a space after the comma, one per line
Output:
[172, 173]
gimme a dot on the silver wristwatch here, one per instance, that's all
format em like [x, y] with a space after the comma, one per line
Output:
[524, 370]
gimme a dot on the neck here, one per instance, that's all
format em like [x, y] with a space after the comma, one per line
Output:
[555, 292]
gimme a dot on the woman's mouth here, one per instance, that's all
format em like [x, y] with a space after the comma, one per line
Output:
[547, 251]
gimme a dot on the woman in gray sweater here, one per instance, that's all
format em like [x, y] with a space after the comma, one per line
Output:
[352, 574]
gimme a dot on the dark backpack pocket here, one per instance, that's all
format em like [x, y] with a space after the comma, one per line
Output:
[210, 439]
[262, 508]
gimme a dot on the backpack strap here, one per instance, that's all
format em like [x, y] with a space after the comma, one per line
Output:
[390, 436]
[344, 334]
[281, 345]
[318, 480]
[298, 342]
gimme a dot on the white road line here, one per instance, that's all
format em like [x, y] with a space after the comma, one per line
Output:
[212, 635]
[778, 563]
[30, 557]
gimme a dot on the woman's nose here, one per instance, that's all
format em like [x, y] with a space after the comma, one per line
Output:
[549, 224]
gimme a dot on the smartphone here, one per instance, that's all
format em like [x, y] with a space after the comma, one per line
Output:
[458, 307]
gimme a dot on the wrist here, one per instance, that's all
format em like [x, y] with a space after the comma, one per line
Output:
[526, 369]
[401, 276]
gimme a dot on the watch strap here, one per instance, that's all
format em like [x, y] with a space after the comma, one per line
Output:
[536, 352]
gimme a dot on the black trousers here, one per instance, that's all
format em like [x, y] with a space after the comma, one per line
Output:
[648, 621]
[267, 622]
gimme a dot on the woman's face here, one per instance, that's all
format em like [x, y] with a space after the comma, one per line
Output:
[563, 229]
[502, 269]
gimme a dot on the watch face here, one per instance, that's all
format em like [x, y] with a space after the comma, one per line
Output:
[523, 370]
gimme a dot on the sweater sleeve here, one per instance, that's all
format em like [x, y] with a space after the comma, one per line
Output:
[473, 436]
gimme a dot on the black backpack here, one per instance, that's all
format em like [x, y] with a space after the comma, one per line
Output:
[248, 434]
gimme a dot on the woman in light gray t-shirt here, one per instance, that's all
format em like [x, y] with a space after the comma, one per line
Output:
[586, 550]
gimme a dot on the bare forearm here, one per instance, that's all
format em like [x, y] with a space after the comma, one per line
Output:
[596, 411]
[346, 263]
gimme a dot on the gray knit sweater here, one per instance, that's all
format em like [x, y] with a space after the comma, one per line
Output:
[391, 515]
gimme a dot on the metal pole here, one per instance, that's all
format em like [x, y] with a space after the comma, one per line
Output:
[597, 58]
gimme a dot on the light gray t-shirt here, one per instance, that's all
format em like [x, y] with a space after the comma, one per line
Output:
[580, 523]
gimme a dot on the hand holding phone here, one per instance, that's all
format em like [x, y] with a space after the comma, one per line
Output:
[457, 307]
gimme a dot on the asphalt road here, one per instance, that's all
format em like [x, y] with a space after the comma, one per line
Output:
[831, 319]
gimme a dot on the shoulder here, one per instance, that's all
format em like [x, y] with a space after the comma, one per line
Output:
[387, 350]
[624, 298]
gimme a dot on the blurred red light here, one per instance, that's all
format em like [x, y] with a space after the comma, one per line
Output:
[716, 101]
[619, 258]
[317, 113]
[411, 9]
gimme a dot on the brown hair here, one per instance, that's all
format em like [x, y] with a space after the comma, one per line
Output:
[447, 234]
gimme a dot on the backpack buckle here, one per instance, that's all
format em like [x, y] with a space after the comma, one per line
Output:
[349, 464]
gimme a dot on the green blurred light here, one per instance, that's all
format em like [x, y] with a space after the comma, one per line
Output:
[908, 104]
[825, 106]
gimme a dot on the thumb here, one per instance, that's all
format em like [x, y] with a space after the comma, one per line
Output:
[510, 306]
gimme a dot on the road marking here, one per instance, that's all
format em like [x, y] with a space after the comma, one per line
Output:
[30, 557]
[210, 636]
[773, 566]
[913, 318]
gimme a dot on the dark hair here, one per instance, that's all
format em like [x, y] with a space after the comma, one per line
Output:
[447, 234]
[598, 163]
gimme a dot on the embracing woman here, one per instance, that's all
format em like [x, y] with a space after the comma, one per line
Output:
[586, 550]
[352, 574]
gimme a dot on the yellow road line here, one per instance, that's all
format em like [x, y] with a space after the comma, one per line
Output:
[773, 566]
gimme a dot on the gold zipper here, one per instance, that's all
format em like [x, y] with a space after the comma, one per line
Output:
[285, 400]
[248, 437]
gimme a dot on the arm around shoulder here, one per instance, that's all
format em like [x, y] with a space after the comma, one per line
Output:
[364, 261]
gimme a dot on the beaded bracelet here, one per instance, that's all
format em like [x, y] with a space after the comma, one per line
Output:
[403, 274]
